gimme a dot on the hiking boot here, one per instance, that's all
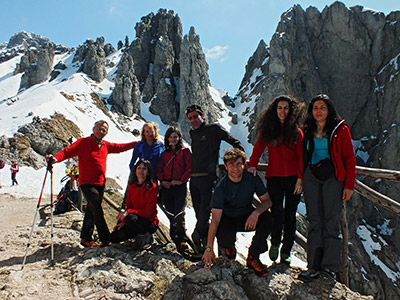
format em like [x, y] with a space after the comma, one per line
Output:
[273, 252]
[309, 275]
[198, 245]
[105, 244]
[182, 247]
[259, 268]
[230, 253]
[88, 243]
[328, 274]
[285, 259]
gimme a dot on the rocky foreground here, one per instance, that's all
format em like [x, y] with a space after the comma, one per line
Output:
[124, 272]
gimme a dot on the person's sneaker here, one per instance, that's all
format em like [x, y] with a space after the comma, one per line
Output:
[85, 243]
[309, 275]
[259, 268]
[231, 253]
[328, 274]
[285, 259]
[273, 252]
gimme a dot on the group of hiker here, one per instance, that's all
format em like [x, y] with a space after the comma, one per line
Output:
[319, 162]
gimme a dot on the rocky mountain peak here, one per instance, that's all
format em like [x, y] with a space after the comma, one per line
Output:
[22, 41]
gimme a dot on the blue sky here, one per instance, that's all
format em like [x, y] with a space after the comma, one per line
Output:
[229, 30]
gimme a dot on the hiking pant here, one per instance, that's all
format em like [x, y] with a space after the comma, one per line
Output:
[229, 226]
[201, 189]
[174, 201]
[94, 213]
[324, 208]
[14, 178]
[284, 217]
[134, 225]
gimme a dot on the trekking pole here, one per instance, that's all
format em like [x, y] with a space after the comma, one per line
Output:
[50, 169]
[37, 210]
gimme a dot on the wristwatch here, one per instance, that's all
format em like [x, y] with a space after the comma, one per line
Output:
[208, 249]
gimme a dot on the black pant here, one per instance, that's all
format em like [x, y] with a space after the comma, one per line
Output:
[174, 201]
[230, 226]
[13, 178]
[94, 213]
[201, 189]
[134, 225]
[283, 217]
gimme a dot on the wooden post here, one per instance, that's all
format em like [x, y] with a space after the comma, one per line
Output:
[343, 275]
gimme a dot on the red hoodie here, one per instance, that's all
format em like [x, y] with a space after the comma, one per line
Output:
[283, 160]
[92, 158]
[142, 201]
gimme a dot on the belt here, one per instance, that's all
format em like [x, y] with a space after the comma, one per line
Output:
[198, 174]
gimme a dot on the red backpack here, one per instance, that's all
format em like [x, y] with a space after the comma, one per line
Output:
[2, 164]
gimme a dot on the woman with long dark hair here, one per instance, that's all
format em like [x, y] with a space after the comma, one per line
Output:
[329, 178]
[278, 130]
[173, 172]
[140, 213]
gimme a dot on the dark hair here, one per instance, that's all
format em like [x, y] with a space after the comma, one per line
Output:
[168, 133]
[233, 155]
[311, 125]
[269, 127]
[194, 107]
[149, 179]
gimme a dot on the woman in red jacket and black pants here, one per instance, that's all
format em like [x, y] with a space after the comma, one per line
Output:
[278, 129]
[173, 171]
[140, 213]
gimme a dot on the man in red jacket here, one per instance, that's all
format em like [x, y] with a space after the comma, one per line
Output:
[92, 154]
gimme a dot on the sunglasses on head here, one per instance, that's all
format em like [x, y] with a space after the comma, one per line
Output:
[193, 108]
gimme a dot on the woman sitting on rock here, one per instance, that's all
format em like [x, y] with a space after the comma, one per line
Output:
[140, 213]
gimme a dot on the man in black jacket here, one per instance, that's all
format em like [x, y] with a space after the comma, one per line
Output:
[206, 141]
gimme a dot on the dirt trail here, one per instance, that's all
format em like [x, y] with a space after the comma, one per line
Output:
[38, 280]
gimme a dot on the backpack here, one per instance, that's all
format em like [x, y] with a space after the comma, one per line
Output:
[2, 164]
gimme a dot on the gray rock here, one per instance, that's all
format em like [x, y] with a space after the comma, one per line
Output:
[92, 56]
[194, 82]
[149, 67]
[36, 64]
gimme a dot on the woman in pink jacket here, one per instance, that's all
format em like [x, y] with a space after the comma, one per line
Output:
[278, 130]
[173, 172]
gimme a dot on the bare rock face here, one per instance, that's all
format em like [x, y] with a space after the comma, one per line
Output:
[36, 64]
[92, 56]
[194, 81]
[149, 68]
[35, 140]
[351, 54]
[108, 49]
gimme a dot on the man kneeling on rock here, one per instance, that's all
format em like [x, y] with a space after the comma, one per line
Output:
[232, 211]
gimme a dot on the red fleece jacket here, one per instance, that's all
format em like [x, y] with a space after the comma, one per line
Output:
[283, 160]
[142, 201]
[92, 158]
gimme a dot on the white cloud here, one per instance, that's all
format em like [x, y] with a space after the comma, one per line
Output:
[217, 52]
